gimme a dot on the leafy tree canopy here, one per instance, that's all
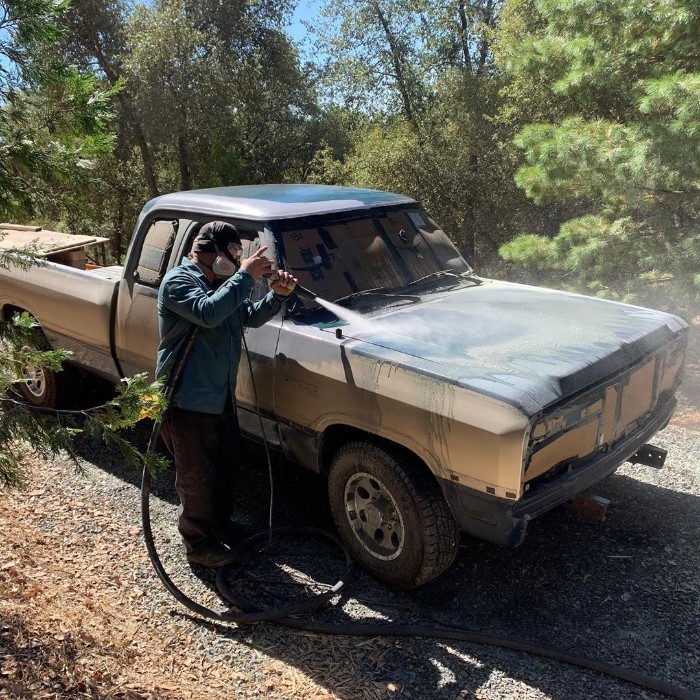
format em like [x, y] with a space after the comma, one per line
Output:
[52, 128]
[219, 91]
[52, 116]
[625, 151]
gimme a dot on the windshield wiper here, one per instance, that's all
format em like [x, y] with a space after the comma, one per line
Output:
[393, 293]
[376, 294]
[454, 277]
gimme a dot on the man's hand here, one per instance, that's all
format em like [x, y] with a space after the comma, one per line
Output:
[284, 283]
[257, 264]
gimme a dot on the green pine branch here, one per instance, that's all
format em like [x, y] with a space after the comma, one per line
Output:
[51, 432]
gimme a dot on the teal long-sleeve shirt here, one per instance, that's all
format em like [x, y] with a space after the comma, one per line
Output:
[186, 298]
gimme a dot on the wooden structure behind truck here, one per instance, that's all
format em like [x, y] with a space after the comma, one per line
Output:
[56, 246]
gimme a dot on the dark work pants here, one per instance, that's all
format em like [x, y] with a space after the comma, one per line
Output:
[206, 452]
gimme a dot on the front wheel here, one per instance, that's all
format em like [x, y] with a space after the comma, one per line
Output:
[391, 515]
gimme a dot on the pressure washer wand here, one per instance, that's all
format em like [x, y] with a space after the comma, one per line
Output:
[298, 289]
[304, 292]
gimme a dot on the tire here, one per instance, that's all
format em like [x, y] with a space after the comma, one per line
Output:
[71, 388]
[40, 387]
[391, 515]
[43, 388]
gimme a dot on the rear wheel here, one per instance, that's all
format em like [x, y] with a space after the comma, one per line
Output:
[39, 387]
[391, 515]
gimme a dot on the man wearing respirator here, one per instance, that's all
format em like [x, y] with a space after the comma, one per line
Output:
[210, 290]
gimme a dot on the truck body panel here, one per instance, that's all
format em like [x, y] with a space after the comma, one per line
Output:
[74, 307]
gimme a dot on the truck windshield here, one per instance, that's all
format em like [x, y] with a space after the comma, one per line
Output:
[339, 257]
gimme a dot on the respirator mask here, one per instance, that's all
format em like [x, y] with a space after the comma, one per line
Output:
[228, 262]
[223, 239]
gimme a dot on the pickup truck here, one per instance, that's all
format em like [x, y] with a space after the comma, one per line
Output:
[442, 401]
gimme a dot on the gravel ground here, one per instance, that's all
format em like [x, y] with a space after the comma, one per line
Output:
[82, 613]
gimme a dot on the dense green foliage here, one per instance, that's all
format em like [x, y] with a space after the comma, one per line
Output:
[53, 117]
[556, 140]
[623, 147]
[209, 94]
[53, 127]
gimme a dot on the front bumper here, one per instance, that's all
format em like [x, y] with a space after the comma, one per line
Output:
[504, 522]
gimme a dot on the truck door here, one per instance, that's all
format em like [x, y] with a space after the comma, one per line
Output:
[136, 327]
[136, 322]
[255, 391]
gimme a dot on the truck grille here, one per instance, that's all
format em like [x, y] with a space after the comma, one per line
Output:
[596, 421]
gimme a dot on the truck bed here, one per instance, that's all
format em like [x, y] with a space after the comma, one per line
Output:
[73, 306]
[56, 246]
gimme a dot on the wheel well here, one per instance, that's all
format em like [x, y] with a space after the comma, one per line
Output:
[8, 311]
[336, 436]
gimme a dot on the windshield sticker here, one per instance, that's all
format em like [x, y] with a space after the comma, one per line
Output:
[416, 218]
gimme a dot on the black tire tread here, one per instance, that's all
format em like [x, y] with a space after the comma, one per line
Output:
[441, 534]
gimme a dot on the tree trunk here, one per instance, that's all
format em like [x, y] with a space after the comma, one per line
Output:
[132, 120]
[118, 228]
[485, 44]
[465, 35]
[137, 131]
[183, 161]
[397, 60]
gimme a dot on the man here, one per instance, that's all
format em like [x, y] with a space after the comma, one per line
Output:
[209, 290]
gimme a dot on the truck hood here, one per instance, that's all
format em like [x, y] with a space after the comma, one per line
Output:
[527, 346]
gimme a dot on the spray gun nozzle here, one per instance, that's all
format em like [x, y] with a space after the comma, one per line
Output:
[301, 291]
[304, 292]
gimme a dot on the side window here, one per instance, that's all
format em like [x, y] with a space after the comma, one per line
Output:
[155, 252]
[250, 241]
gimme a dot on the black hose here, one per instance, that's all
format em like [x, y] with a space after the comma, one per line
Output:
[280, 613]
[225, 615]
[457, 634]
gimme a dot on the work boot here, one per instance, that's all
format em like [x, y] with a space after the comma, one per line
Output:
[211, 554]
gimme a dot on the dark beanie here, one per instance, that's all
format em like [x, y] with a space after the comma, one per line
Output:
[215, 237]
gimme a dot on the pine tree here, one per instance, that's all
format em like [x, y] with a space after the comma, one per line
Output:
[52, 116]
[52, 126]
[622, 146]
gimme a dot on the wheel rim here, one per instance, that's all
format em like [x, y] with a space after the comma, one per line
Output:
[35, 381]
[374, 516]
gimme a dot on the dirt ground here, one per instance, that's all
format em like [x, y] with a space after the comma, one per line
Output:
[72, 619]
[75, 621]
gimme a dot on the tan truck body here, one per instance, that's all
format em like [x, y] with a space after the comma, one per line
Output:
[505, 400]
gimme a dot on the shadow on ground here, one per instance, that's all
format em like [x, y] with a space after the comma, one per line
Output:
[624, 591]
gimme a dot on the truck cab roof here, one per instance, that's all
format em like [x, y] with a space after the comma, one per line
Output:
[270, 202]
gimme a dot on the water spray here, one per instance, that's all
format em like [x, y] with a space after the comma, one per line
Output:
[335, 309]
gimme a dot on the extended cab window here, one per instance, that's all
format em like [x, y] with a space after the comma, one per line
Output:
[155, 252]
